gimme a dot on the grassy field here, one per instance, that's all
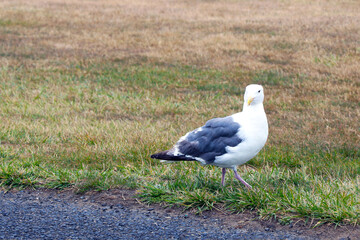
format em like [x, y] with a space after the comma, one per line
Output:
[90, 89]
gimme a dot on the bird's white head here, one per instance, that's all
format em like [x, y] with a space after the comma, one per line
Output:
[254, 94]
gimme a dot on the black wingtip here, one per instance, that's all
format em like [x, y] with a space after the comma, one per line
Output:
[161, 155]
[167, 155]
[154, 156]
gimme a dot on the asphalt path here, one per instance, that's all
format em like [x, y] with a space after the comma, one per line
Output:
[38, 215]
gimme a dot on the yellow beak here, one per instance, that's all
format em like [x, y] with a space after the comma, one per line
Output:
[250, 100]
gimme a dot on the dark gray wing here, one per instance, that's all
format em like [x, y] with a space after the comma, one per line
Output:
[211, 139]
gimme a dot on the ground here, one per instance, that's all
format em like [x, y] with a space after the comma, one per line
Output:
[94, 208]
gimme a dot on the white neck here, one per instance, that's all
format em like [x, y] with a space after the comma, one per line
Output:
[256, 107]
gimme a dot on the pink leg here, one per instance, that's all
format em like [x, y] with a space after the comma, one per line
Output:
[223, 176]
[240, 179]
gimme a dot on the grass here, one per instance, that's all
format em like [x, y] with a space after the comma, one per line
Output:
[84, 107]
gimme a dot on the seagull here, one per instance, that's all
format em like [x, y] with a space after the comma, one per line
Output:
[225, 142]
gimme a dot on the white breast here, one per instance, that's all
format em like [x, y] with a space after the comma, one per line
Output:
[254, 132]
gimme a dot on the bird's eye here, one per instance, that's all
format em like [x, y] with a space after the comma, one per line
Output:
[259, 91]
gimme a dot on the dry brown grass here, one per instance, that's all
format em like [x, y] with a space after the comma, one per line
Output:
[318, 40]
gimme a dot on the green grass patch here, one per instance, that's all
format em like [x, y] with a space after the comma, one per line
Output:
[93, 126]
[281, 191]
[276, 78]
